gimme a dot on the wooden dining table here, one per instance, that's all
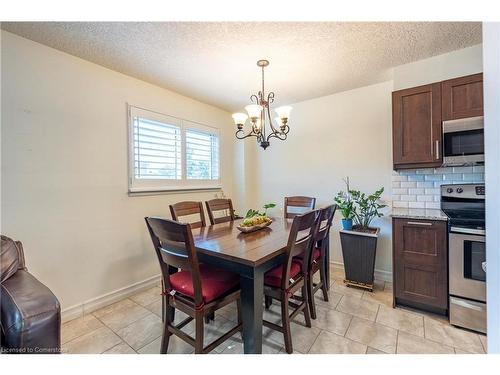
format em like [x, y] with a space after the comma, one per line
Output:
[250, 255]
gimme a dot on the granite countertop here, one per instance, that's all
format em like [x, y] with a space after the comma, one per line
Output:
[419, 213]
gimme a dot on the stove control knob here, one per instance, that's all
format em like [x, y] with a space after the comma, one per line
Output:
[449, 190]
[460, 190]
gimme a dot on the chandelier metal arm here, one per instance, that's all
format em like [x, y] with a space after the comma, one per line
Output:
[258, 121]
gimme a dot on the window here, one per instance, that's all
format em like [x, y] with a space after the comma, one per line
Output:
[167, 153]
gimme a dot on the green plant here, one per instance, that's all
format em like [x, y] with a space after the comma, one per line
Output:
[345, 205]
[367, 207]
[251, 212]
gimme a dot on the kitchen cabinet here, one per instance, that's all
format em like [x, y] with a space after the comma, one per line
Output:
[420, 264]
[462, 97]
[416, 127]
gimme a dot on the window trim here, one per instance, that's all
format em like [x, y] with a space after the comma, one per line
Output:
[141, 186]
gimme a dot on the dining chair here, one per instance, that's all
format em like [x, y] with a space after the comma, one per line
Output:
[220, 205]
[197, 290]
[282, 282]
[188, 208]
[317, 262]
[303, 204]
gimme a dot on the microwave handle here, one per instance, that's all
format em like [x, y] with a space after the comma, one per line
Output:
[437, 149]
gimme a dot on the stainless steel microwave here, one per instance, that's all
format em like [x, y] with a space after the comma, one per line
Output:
[463, 141]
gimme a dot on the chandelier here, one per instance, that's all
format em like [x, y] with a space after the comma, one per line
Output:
[258, 112]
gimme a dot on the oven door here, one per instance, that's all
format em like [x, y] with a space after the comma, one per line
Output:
[463, 141]
[467, 266]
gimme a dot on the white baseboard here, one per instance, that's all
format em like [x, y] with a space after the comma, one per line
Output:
[379, 274]
[93, 304]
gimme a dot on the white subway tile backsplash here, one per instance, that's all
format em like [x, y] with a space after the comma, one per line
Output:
[400, 178]
[469, 177]
[408, 184]
[408, 198]
[399, 191]
[415, 177]
[416, 191]
[425, 171]
[462, 169]
[416, 205]
[433, 191]
[433, 177]
[399, 204]
[432, 205]
[425, 198]
[444, 170]
[421, 188]
[425, 184]
[452, 177]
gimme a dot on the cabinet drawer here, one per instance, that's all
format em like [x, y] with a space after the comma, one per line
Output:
[420, 262]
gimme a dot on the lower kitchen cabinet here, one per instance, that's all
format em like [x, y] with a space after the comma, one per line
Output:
[420, 264]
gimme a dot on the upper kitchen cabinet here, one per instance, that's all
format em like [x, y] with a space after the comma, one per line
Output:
[462, 97]
[416, 127]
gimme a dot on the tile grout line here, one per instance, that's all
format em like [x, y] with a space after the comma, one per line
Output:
[397, 341]
[123, 342]
[314, 342]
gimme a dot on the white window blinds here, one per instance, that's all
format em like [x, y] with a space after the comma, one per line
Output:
[157, 150]
[202, 155]
[168, 153]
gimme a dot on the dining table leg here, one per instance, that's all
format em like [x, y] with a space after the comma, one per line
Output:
[252, 292]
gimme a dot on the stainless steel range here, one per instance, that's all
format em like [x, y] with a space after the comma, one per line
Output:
[465, 207]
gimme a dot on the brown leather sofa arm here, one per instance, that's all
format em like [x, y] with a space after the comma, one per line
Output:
[30, 316]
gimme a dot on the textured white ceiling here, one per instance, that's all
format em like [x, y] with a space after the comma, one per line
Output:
[216, 62]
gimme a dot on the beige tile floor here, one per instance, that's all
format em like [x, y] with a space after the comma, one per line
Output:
[353, 321]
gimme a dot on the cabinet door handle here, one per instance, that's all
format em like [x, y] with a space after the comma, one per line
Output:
[419, 223]
[437, 149]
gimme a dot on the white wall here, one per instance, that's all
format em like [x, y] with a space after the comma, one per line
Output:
[346, 134]
[491, 37]
[439, 68]
[64, 169]
[350, 133]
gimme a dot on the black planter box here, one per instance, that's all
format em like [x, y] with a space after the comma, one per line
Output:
[359, 250]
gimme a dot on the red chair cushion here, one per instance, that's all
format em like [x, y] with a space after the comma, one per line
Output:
[214, 282]
[273, 277]
[316, 255]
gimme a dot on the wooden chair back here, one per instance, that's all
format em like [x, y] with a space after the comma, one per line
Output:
[174, 246]
[300, 241]
[325, 222]
[306, 203]
[187, 208]
[217, 205]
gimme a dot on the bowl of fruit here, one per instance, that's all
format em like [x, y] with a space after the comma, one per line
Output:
[255, 220]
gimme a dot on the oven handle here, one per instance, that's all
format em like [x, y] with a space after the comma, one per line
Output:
[465, 304]
[479, 232]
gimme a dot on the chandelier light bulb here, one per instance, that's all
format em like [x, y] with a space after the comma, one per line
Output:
[253, 110]
[258, 125]
[284, 112]
[239, 118]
